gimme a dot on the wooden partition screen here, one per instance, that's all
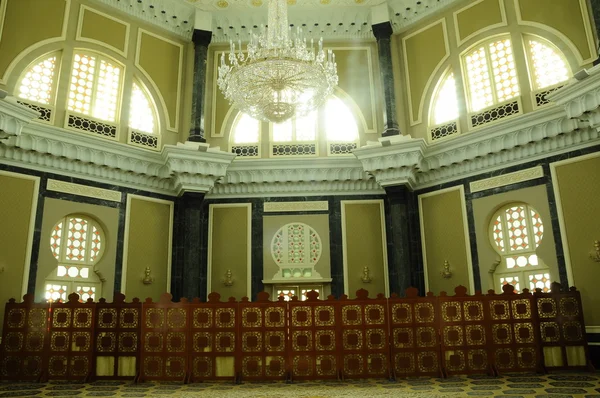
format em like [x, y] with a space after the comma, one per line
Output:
[294, 340]
[24, 340]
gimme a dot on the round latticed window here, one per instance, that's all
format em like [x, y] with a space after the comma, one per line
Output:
[296, 249]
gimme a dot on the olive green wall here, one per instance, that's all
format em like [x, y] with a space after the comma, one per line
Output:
[443, 238]
[148, 231]
[363, 237]
[478, 16]
[483, 210]
[578, 192]
[103, 29]
[271, 224]
[229, 248]
[107, 217]
[18, 197]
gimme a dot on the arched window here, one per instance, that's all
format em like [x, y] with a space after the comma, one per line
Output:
[94, 94]
[245, 136]
[547, 67]
[341, 129]
[516, 231]
[77, 243]
[444, 108]
[491, 80]
[36, 87]
[143, 122]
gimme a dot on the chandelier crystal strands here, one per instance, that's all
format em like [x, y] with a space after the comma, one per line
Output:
[280, 75]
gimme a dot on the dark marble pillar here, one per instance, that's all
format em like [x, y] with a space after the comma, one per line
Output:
[201, 39]
[403, 240]
[383, 33]
[596, 15]
[188, 274]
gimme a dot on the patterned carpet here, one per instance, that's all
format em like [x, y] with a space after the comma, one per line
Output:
[557, 385]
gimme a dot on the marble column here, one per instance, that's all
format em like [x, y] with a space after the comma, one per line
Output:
[201, 39]
[596, 16]
[188, 275]
[403, 240]
[383, 34]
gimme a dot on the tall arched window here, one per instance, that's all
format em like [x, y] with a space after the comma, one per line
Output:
[245, 136]
[37, 86]
[548, 68]
[143, 122]
[77, 243]
[444, 108]
[491, 80]
[516, 231]
[94, 94]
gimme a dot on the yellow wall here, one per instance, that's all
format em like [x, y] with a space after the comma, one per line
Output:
[443, 239]
[109, 31]
[18, 196]
[147, 244]
[483, 210]
[107, 217]
[479, 16]
[578, 193]
[364, 243]
[229, 248]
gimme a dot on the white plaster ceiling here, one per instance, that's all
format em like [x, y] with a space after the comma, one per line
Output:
[233, 19]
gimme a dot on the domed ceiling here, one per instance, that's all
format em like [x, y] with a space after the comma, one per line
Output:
[233, 19]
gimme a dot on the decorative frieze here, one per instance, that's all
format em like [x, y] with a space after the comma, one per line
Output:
[321, 205]
[83, 190]
[507, 179]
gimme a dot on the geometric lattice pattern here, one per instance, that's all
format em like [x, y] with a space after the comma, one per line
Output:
[245, 151]
[548, 66]
[45, 113]
[92, 126]
[294, 150]
[143, 139]
[540, 281]
[76, 239]
[444, 130]
[37, 84]
[504, 71]
[55, 292]
[510, 280]
[296, 243]
[342, 148]
[478, 75]
[517, 228]
[495, 113]
[80, 246]
[82, 84]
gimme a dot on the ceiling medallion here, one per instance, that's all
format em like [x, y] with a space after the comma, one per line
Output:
[280, 76]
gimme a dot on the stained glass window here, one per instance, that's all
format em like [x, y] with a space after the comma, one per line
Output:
[94, 88]
[287, 294]
[512, 280]
[289, 291]
[86, 292]
[141, 114]
[548, 66]
[491, 74]
[38, 83]
[55, 292]
[541, 281]
[445, 104]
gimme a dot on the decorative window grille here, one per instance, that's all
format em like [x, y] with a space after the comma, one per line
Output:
[94, 94]
[516, 231]
[444, 109]
[491, 78]
[143, 123]
[36, 87]
[296, 249]
[289, 291]
[77, 243]
[548, 69]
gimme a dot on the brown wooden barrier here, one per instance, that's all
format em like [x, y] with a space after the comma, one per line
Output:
[562, 328]
[24, 340]
[312, 339]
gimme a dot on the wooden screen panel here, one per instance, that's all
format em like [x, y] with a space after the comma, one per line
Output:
[514, 341]
[70, 350]
[464, 330]
[165, 346]
[214, 339]
[414, 339]
[117, 338]
[263, 335]
[314, 338]
[562, 328]
[364, 336]
[24, 340]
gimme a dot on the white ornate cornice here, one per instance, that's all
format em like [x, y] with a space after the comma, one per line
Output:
[13, 117]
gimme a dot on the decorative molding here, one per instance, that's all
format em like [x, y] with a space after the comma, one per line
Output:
[502, 23]
[83, 190]
[592, 329]
[507, 179]
[321, 205]
[81, 20]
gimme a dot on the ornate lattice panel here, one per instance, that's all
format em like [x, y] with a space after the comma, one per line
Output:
[294, 150]
[214, 339]
[71, 350]
[45, 111]
[414, 341]
[165, 346]
[92, 126]
[342, 148]
[144, 140]
[364, 336]
[117, 338]
[246, 151]
[514, 339]
[263, 338]
[496, 113]
[562, 328]
[24, 340]
[444, 130]
[464, 333]
[314, 337]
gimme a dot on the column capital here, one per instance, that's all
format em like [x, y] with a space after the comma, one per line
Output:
[202, 37]
[382, 30]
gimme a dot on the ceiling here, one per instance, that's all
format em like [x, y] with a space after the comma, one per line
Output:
[233, 19]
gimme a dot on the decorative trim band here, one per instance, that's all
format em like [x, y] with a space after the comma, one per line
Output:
[592, 329]
[321, 205]
[83, 190]
[507, 179]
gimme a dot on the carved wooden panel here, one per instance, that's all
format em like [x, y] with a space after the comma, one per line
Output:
[117, 338]
[214, 339]
[24, 340]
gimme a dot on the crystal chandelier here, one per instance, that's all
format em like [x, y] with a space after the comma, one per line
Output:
[280, 76]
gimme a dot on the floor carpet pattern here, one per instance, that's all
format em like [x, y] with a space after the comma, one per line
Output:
[555, 385]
